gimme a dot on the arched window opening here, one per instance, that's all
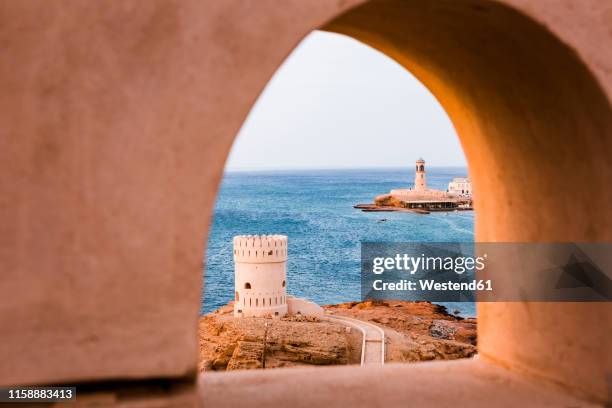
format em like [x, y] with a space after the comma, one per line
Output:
[297, 187]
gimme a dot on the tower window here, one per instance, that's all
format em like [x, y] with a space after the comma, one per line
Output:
[283, 284]
[247, 285]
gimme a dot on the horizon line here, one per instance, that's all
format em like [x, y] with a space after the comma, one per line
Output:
[253, 169]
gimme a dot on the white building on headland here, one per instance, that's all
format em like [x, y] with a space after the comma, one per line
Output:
[420, 190]
[460, 186]
[261, 279]
[422, 199]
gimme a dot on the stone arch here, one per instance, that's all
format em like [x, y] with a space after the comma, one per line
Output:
[513, 101]
[119, 120]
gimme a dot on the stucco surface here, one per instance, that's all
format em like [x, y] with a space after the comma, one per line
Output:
[432, 384]
[116, 122]
[117, 119]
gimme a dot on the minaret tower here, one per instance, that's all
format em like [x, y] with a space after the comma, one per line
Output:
[420, 184]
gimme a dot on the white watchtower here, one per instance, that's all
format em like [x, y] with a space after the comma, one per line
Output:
[260, 275]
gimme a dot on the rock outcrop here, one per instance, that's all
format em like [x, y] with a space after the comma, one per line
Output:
[228, 343]
[415, 331]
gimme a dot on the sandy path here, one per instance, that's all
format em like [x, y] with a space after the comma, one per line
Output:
[373, 347]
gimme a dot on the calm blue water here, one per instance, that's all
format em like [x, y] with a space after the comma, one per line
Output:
[314, 209]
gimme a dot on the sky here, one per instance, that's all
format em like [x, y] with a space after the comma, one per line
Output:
[338, 103]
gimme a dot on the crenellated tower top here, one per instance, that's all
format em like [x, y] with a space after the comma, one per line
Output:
[260, 248]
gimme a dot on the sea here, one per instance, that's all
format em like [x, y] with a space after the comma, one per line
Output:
[314, 208]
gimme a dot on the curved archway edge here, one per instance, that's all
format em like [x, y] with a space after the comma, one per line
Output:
[118, 120]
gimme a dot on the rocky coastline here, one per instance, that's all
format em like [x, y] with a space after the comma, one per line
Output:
[420, 205]
[415, 331]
